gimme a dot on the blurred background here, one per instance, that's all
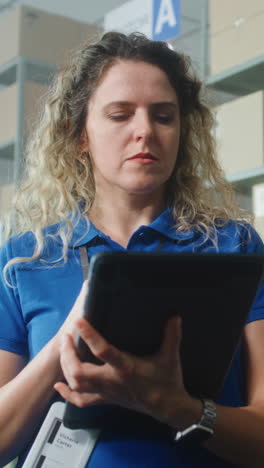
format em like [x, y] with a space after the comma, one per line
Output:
[223, 38]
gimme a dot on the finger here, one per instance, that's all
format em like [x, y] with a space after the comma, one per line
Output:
[99, 346]
[172, 337]
[83, 295]
[83, 376]
[76, 311]
[79, 399]
[70, 363]
[84, 286]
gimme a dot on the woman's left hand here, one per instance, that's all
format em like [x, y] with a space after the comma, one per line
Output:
[152, 385]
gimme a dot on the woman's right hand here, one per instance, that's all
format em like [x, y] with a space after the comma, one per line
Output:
[20, 415]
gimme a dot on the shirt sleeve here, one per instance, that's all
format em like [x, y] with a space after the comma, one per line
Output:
[13, 331]
[254, 245]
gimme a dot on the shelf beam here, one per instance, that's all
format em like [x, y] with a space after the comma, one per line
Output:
[8, 73]
[7, 150]
[36, 70]
[242, 79]
[19, 71]
[243, 181]
[39, 72]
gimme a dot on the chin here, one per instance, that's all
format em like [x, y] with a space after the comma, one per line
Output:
[146, 187]
[145, 190]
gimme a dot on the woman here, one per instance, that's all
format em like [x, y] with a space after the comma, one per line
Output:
[123, 159]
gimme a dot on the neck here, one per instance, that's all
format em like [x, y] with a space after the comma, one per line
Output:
[120, 218]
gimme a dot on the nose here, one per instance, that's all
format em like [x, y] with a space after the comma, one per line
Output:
[143, 126]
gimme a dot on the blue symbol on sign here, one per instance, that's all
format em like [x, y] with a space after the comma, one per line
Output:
[165, 19]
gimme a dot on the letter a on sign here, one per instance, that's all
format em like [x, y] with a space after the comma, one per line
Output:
[166, 14]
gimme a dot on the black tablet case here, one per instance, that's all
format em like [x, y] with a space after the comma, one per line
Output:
[131, 295]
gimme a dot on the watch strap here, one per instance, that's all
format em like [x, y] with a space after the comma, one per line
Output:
[203, 429]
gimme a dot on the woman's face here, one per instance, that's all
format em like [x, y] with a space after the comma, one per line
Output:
[133, 129]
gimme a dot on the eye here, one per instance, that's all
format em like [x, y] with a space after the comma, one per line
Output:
[164, 118]
[119, 117]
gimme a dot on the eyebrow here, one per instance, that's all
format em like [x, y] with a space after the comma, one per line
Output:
[171, 104]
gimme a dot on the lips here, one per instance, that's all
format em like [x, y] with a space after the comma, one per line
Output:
[143, 156]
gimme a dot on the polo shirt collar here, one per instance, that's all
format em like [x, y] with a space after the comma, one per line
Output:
[165, 224]
[85, 232]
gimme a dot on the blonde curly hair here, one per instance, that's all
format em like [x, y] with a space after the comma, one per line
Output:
[57, 176]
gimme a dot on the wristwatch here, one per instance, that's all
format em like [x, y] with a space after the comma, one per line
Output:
[201, 431]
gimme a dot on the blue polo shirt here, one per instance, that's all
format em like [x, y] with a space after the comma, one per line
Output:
[33, 310]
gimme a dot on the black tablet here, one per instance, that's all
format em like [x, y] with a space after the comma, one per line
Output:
[132, 295]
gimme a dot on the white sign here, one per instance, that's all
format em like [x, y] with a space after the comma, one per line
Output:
[157, 19]
[166, 16]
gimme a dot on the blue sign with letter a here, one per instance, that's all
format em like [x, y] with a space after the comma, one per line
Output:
[165, 19]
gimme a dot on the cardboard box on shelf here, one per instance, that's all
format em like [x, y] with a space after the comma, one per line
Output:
[258, 199]
[240, 133]
[6, 170]
[8, 106]
[225, 14]
[6, 194]
[41, 36]
[259, 225]
[258, 208]
[236, 32]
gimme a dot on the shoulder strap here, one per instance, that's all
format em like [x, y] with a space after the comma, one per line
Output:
[84, 261]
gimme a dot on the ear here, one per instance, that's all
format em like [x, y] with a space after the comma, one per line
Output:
[83, 145]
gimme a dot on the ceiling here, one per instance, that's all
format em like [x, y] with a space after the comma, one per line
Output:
[89, 10]
[192, 40]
